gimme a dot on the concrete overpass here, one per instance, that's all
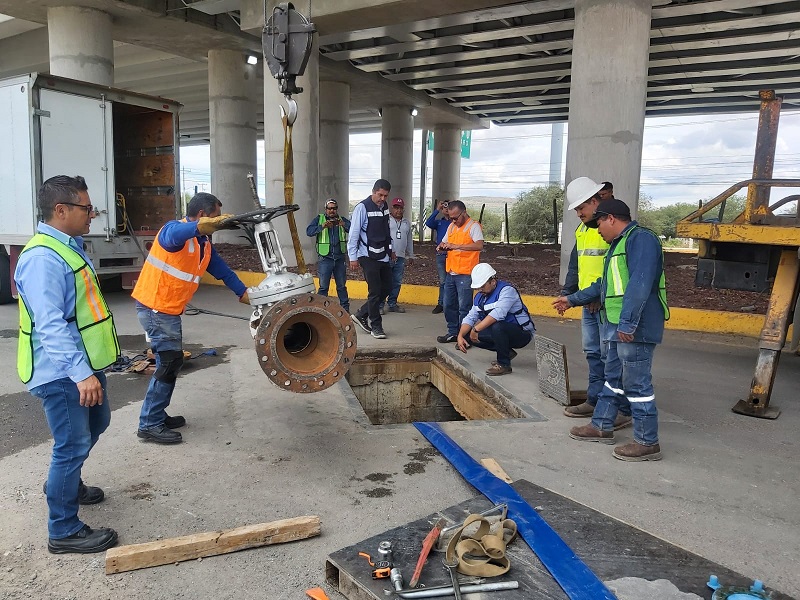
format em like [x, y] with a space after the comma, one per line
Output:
[600, 64]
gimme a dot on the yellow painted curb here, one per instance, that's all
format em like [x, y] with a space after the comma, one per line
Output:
[684, 319]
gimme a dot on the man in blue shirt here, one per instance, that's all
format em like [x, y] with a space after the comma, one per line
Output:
[56, 358]
[331, 232]
[498, 320]
[439, 221]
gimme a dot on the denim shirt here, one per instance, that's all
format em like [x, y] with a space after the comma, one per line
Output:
[642, 314]
[47, 285]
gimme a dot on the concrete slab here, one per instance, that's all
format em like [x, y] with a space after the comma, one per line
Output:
[727, 488]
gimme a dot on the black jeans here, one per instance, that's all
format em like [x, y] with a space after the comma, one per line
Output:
[502, 337]
[378, 275]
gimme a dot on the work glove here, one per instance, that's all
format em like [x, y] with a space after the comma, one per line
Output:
[208, 225]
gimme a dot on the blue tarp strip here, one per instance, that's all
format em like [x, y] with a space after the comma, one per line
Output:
[571, 573]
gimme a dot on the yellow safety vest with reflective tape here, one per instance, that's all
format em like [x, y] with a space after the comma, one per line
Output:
[617, 278]
[591, 249]
[94, 321]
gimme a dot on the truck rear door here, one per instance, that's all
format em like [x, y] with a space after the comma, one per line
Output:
[77, 139]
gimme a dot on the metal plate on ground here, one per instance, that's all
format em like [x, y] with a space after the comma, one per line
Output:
[611, 548]
[551, 367]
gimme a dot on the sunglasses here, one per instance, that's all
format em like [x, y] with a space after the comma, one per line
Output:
[89, 208]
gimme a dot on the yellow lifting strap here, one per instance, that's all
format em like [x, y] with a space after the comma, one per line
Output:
[288, 178]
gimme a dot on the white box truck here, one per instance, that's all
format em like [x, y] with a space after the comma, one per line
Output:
[126, 146]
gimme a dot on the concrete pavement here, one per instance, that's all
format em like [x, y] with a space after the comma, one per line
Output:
[727, 487]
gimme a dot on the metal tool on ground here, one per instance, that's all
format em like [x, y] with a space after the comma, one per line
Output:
[427, 544]
[451, 568]
[381, 569]
[438, 592]
[385, 551]
[396, 577]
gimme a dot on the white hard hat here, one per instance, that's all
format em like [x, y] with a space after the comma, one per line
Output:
[580, 190]
[481, 273]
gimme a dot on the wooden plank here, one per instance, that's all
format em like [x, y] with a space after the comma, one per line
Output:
[145, 171]
[189, 547]
[495, 469]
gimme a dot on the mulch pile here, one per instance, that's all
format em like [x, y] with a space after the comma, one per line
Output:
[534, 269]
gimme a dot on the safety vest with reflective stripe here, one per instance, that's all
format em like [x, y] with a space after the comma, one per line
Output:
[486, 304]
[617, 278]
[591, 249]
[169, 279]
[461, 262]
[91, 315]
[324, 238]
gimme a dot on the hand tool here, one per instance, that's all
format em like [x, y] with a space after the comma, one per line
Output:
[381, 568]
[426, 548]
[451, 567]
[317, 594]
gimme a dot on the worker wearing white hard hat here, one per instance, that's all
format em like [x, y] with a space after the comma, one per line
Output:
[498, 320]
[585, 267]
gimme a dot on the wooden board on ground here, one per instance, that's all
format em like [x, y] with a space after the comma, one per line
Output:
[553, 373]
[211, 543]
[612, 549]
[495, 469]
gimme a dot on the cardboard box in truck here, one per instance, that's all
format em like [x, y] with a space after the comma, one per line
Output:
[124, 144]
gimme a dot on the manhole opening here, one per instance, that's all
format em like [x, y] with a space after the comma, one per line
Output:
[423, 385]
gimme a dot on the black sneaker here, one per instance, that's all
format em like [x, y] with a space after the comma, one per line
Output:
[377, 333]
[177, 421]
[438, 309]
[87, 494]
[362, 322]
[447, 339]
[85, 541]
[160, 435]
[397, 308]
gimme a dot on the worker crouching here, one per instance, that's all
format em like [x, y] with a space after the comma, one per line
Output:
[498, 320]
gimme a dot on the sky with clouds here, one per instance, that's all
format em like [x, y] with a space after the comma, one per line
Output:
[684, 159]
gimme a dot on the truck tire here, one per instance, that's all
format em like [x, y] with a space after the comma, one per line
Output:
[5, 277]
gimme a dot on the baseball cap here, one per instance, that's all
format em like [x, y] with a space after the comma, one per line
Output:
[613, 206]
[398, 202]
[331, 201]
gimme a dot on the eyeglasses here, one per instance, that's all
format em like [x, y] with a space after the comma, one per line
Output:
[457, 217]
[87, 207]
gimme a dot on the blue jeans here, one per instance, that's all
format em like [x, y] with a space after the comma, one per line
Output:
[457, 300]
[75, 430]
[595, 350]
[165, 335]
[502, 337]
[327, 266]
[441, 261]
[398, 268]
[629, 390]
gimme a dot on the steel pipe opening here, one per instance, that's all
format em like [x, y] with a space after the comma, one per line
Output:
[305, 343]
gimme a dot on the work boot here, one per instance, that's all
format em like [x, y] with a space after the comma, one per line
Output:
[87, 494]
[362, 322]
[438, 309]
[511, 356]
[581, 410]
[622, 421]
[636, 452]
[588, 433]
[160, 435]
[396, 308]
[175, 422]
[85, 541]
[498, 369]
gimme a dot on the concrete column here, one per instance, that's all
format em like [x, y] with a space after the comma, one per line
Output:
[81, 44]
[334, 144]
[556, 152]
[232, 91]
[397, 150]
[607, 100]
[446, 163]
[305, 139]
